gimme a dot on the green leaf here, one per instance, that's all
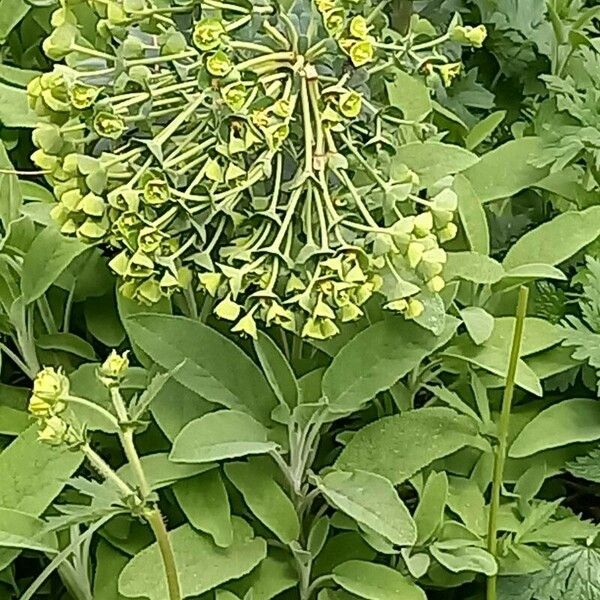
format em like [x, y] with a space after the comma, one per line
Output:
[144, 574]
[429, 514]
[569, 421]
[534, 271]
[10, 192]
[375, 582]
[587, 466]
[494, 360]
[410, 95]
[472, 266]
[555, 241]
[49, 255]
[11, 13]
[479, 323]
[161, 472]
[13, 421]
[538, 335]
[505, 171]
[376, 358]
[19, 530]
[221, 435]
[277, 370]
[208, 357]
[205, 502]
[265, 497]
[371, 500]
[400, 446]
[274, 575]
[102, 320]
[472, 215]
[14, 109]
[482, 130]
[109, 564]
[432, 161]
[466, 558]
[67, 342]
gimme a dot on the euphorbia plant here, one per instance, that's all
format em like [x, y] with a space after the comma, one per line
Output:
[247, 150]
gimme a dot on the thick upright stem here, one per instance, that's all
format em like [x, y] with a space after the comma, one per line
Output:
[501, 449]
[154, 518]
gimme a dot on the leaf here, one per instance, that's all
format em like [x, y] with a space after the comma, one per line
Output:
[221, 435]
[102, 320]
[479, 323]
[534, 271]
[397, 447]
[538, 335]
[472, 215]
[277, 370]
[472, 266]
[208, 357]
[505, 171]
[274, 575]
[67, 342]
[467, 558]
[587, 466]
[19, 530]
[13, 421]
[144, 574]
[265, 498]
[429, 514]
[161, 472]
[569, 421]
[432, 161]
[375, 582]
[49, 255]
[375, 359]
[11, 13]
[109, 564]
[14, 109]
[410, 95]
[482, 130]
[205, 502]
[370, 500]
[494, 360]
[555, 241]
[10, 192]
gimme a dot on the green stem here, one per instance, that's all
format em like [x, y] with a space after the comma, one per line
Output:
[95, 407]
[501, 449]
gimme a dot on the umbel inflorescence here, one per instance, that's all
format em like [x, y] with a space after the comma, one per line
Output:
[245, 149]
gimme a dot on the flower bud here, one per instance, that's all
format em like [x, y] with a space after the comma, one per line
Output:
[423, 224]
[83, 96]
[447, 233]
[436, 284]
[361, 53]
[474, 36]
[54, 432]
[415, 309]
[234, 96]
[219, 64]
[449, 72]
[350, 104]
[50, 385]
[108, 125]
[113, 369]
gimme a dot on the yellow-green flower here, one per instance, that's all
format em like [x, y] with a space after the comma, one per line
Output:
[449, 72]
[210, 282]
[235, 96]
[228, 309]
[334, 21]
[415, 309]
[108, 125]
[350, 104]
[325, 5]
[114, 368]
[208, 34]
[156, 191]
[474, 36]
[54, 431]
[359, 28]
[319, 329]
[436, 284]
[219, 64]
[83, 96]
[50, 385]
[361, 53]
[282, 108]
[246, 326]
[447, 233]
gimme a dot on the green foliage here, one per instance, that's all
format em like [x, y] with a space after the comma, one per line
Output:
[360, 188]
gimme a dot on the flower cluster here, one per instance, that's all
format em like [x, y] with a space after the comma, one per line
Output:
[47, 405]
[235, 158]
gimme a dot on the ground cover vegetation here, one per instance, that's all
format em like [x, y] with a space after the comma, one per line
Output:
[299, 299]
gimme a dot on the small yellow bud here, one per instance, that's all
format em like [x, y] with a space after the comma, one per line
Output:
[449, 72]
[448, 233]
[113, 369]
[414, 253]
[50, 385]
[423, 223]
[436, 284]
[415, 309]
[54, 431]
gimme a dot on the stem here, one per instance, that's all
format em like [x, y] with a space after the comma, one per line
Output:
[96, 407]
[157, 524]
[503, 434]
[105, 470]
[152, 514]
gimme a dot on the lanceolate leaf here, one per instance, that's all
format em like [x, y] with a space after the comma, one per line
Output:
[570, 421]
[144, 574]
[220, 435]
[398, 447]
[371, 500]
[375, 582]
[10, 192]
[209, 359]
[376, 358]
